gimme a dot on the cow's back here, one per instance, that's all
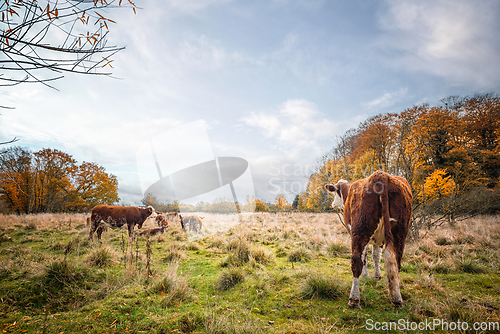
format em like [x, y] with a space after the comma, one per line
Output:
[117, 212]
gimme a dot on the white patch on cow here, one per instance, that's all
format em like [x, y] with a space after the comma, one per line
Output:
[349, 227]
[378, 237]
[338, 202]
[355, 289]
[392, 220]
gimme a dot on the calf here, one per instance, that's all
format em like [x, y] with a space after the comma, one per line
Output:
[377, 210]
[169, 217]
[161, 220]
[192, 223]
[117, 216]
[153, 231]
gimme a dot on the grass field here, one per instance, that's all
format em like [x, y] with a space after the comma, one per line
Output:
[272, 273]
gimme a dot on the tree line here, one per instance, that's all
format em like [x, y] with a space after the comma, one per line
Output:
[50, 180]
[450, 155]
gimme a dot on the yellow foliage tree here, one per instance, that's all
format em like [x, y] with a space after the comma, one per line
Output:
[437, 186]
[281, 202]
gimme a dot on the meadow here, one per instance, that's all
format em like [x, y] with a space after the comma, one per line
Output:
[270, 273]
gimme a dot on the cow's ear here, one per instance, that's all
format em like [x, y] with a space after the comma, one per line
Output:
[330, 188]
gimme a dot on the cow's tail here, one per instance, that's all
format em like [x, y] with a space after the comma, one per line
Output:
[88, 221]
[382, 186]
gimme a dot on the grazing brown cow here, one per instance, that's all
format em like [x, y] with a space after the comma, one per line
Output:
[153, 231]
[377, 210]
[192, 223]
[117, 216]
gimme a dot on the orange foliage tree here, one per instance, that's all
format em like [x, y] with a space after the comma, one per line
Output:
[458, 141]
[51, 181]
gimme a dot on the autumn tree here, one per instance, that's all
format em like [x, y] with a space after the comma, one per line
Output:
[260, 206]
[16, 179]
[455, 145]
[50, 180]
[281, 202]
[376, 135]
[54, 170]
[93, 186]
[481, 118]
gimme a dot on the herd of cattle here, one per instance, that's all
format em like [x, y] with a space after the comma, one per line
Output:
[104, 216]
[377, 211]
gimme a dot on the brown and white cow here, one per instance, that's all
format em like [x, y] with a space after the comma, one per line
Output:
[192, 223]
[377, 211]
[117, 216]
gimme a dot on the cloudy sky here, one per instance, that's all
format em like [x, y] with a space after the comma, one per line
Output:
[272, 82]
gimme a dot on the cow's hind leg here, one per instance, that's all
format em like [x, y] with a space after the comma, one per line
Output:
[377, 250]
[100, 229]
[392, 273]
[357, 267]
[364, 257]
[93, 227]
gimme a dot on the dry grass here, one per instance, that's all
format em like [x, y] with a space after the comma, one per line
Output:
[286, 273]
[44, 221]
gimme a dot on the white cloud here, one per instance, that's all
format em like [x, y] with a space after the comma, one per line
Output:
[297, 128]
[386, 100]
[307, 61]
[457, 40]
[202, 53]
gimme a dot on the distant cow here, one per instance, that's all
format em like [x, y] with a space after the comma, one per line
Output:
[117, 216]
[160, 219]
[377, 210]
[168, 218]
[153, 231]
[192, 223]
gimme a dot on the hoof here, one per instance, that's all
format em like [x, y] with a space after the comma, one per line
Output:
[378, 276]
[397, 303]
[353, 303]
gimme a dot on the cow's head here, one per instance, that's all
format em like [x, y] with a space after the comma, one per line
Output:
[340, 191]
[151, 211]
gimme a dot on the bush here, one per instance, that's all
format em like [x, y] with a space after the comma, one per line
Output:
[281, 251]
[261, 255]
[61, 273]
[337, 249]
[174, 255]
[318, 286]
[441, 241]
[102, 256]
[229, 278]
[299, 255]
[240, 254]
[471, 267]
[31, 226]
[176, 289]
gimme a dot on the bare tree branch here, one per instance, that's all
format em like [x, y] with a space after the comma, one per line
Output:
[40, 38]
